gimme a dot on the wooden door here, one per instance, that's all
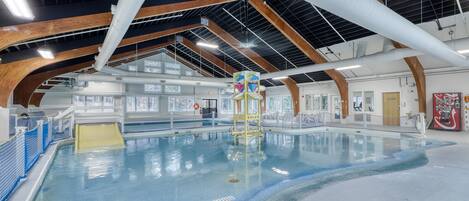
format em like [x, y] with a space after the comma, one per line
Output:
[391, 109]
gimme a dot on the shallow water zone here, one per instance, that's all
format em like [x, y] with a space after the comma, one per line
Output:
[211, 167]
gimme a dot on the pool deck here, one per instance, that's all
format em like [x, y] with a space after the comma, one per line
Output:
[445, 177]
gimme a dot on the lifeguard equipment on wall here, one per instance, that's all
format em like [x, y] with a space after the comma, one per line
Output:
[447, 111]
[196, 106]
[466, 113]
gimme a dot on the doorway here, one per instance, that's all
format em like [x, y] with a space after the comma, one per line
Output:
[391, 109]
[209, 106]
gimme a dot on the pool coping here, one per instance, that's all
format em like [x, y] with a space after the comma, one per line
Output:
[28, 187]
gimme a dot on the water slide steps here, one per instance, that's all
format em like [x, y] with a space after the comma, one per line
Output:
[93, 136]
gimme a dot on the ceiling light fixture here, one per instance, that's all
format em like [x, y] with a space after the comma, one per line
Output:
[213, 46]
[463, 51]
[280, 78]
[349, 67]
[247, 45]
[46, 53]
[19, 8]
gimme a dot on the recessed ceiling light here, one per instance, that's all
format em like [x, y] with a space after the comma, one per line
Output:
[349, 67]
[203, 44]
[46, 53]
[19, 8]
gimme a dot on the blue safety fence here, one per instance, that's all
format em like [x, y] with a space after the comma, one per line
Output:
[19, 154]
[31, 148]
[11, 165]
[46, 138]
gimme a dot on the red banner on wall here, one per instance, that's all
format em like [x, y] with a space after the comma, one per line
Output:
[447, 111]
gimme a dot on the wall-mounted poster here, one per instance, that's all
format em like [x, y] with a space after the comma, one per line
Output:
[447, 111]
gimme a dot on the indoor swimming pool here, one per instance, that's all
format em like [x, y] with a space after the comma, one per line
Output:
[210, 167]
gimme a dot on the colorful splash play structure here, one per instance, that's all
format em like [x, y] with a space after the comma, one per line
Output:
[247, 106]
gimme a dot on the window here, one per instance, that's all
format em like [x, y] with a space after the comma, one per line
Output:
[172, 89]
[357, 101]
[142, 104]
[281, 104]
[308, 102]
[133, 68]
[316, 102]
[153, 88]
[94, 103]
[227, 105]
[151, 63]
[324, 102]
[180, 103]
[189, 73]
[369, 101]
[172, 68]
[130, 104]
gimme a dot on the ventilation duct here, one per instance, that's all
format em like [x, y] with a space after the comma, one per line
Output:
[378, 18]
[123, 15]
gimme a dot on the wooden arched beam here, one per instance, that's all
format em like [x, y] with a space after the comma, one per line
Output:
[23, 92]
[12, 73]
[207, 56]
[36, 99]
[19, 33]
[255, 58]
[301, 43]
[419, 76]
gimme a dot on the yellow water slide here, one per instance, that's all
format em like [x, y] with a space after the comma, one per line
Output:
[92, 136]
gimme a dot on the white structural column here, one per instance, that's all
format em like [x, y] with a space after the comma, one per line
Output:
[123, 15]
[376, 17]
[4, 124]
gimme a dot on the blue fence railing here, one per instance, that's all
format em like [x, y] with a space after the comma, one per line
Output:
[31, 148]
[19, 154]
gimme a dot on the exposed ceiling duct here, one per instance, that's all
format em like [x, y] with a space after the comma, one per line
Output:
[374, 16]
[376, 58]
[150, 80]
[123, 15]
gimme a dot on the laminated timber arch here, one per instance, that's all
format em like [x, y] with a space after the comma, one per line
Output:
[12, 73]
[255, 58]
[24, 92]
[419, 75]
[19, 33]
[301, 43]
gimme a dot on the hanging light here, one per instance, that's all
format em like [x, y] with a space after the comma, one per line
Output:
[209, 45]
[46, 53]
[19, 8]
[348, 67]
[280, 78]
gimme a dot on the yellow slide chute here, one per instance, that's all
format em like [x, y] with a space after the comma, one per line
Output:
[92, 136]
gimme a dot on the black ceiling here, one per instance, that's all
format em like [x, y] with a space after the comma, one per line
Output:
[278, 50]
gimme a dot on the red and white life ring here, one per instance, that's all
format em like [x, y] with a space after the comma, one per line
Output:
[196, 106]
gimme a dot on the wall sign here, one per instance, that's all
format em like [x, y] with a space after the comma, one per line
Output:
[447, 111]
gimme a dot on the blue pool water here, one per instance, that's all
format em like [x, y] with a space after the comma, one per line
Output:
[157, 126]
[209, 166]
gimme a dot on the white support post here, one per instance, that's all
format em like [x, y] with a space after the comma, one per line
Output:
[171, 120]
[51, 126]
[4, 124]
[365, 122]
[213, 118]
[20, 163]
[40, 145]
